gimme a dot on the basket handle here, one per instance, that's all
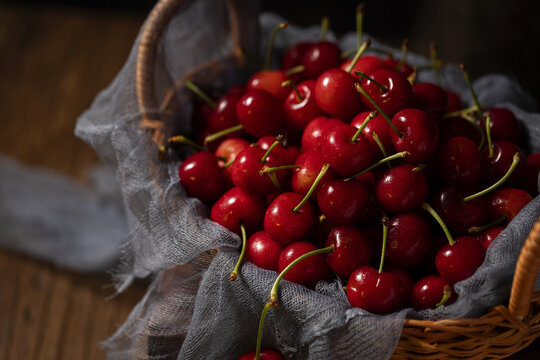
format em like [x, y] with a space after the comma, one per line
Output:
[525, 275]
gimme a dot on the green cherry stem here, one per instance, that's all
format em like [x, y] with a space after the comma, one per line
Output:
[509, 172]
[197, 91]
[260, 331]
[357, 134]
[488, 135]
[271, 44]
[398, 155]
[359, 53]
[405, 53]
[477, 229]
[275, 181]
[447, 292]
[379, 143]
[268, 170]
[286, 83]
[359, 24]
[279, 140]
[472, 120]
[213, 137]
[434, 62]
[363, 92]
[234, 274]
[325, 25]
[226, 165]
[385, 223]
[324, 170]
[381, 87]
[181, 139]
[295, 70]
[436, 216]
[461, 112]
[469, 85]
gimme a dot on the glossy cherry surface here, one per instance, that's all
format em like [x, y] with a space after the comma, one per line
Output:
[266, 354]
[260, 113]
[224, 115]
[307, 272]
[504, 125]
[487, 236]
[201, 176]
[460, 162]
[454, 101]
[419, 135]
[396, 95]
[459, 261]
[409, 239]
[320, 57]
[429, 291]
[300, 111]
[342, 202]
[507, 202]
[269, 80]
[366, 64]
[336, 94]
[496, 166]
[316, 130]
[263, 251]
[288, 153]
[378, 125]
[226, 152]
[310, 163]
[294, 55]
[456, 126]
[351, 250]
[430, 98]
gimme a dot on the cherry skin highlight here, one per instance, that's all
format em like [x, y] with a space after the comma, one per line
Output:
[409, 239]
[262, 251]
[201, 176]
[266, 354]
[507, 202]
[396, 96]
[260, 113]
[351, 250]
[487, 236]
[299, 112]
[459, 261]
[269, 80]
[320, 57]
[310, 163]
[316, 130]
[336, 94]
[342, 202]
[429, 291]
[307, 272]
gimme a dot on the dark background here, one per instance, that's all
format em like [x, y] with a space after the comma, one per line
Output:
[488, 36]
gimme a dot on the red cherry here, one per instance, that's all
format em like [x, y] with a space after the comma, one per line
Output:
[284, 225]
[429, 291]
[430, 98]
[504, 125]
[316, 130]
[459, 261]
[336, 94]
[310, 163]
[454, 102]
[459, 162]
[288, 153]
[227, 152]
[294, 55]
[266, 354]
[419, 135]
[391, 63]
[269, 80]
[496, 166]
[259, 112]
[438, 240]
[300, 111]
[366, 64]
[201, 176]
[342, 202]
[224, 115]
[320, 57]
[378, 293]
[530, 173]
[457, 126]
[309, 271]
[402, 189]
[507, 202]
[396, 95]
[262, 251]
[487, 236]
[239, 206]
[409, 238]
[378, 125]
[407, 283]
[351, 250]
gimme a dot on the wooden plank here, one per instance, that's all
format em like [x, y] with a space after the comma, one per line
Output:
[9, 290]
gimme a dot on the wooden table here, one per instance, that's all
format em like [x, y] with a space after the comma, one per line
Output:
[53, 61]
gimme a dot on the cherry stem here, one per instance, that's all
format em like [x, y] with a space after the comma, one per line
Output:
[279, 140]
[384, 241]
[359, 53]
[274, 292]
[398, 155]
[197, 91]
[295, 70]
[286, 83]
[181, 139]
[325, 25]
[412, 78]
[359, 23]
[381, 87]
[260, 332]
[447, 292]
[405, 52]
[213, 137]
[436, 216]
[271, 44]
[477, 229]
[234, 273]
[418, 168]
[477, 127]
[434, 62]
[488, 135]
[509, 172]
[379, 143]
[324, 170]
[226, 165]
[162, 152]
[469, 85]
[363, 92]
[461, 112]
[275, 181]
[269, 170]
[357, 134]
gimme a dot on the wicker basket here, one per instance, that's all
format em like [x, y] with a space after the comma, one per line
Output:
[501, 332]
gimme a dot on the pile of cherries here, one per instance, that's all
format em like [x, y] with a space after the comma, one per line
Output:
[324, 164]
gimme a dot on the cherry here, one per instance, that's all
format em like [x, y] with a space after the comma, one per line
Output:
[487, 236]
[262, 251]
[351, 250]
[238, 206]
[269, 80]
[438, 240]
[507, 202]
[223, 116]
[260, 113]
[530, 173]
[430, 98]
[346, 152]
[378, 293]
[307, 272]
[201, 176]
[407, 283]
[450, 127]
[496, 165]
[342, 202]
[454, 101]
[288, 153]
[294, 55]
[266, 354]
[409, 239]
[419, 134]
[459, 261]
[431, 292]
[504, 126]
[316, 130]
[226, 153]
[246, 171]
[395, 94]
[459, 162]
[310, 164]
[402, 189]
[284, 225]
[300, 106]
[319, 231]
[320, 57]
[392, 64]
[336, 94]
[378, 125]
[366, 64]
